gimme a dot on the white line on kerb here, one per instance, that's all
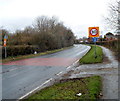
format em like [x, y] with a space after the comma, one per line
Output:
[35, 89]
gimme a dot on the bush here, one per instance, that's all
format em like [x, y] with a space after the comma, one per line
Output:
[19, 50]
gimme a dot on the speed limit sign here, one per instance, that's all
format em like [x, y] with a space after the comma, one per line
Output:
[93, 31]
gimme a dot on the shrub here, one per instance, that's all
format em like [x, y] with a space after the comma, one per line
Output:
[19, 50]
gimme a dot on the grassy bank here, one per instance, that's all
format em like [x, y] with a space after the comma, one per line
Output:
[90, 56]
[32, 55]
[89, 87]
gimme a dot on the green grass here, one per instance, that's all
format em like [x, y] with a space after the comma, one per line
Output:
[90, 88]
[32, 55]
[90, 56]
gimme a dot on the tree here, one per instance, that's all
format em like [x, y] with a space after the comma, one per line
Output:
[41, 24]
[46, 33]
[113, 19]
[51, 33]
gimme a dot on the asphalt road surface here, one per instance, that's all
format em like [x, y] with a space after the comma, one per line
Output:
[20, 77]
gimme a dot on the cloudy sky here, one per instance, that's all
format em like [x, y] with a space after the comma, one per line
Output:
[75, 14]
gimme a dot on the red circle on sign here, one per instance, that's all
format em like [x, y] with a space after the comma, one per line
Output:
[92, 33]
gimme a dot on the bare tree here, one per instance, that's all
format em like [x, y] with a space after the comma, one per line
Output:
[113, 19]
[41, 24]
[50, 33]
[47, 33]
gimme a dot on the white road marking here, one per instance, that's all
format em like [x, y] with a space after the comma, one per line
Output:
[49, 79]
[76, 61]
[35, 89]
[72, 64]
[68, 67]
[21, 67]
[83, 51]
[13, 75]
[13, 69]
[88, 48]
[59, 73]
[10, 70]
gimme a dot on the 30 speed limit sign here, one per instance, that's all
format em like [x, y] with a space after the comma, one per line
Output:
[93, 31]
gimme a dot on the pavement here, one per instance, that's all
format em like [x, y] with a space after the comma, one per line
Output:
[108, 70]
[23, 77]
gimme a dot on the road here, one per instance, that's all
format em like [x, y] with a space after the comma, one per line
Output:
[22, 76]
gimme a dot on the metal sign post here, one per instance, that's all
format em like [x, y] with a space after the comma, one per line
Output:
[5, 53]
[94, 33]
[5, 39]
[94, 40]
[95, 51]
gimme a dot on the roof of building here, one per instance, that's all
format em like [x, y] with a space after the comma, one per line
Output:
[109, 33]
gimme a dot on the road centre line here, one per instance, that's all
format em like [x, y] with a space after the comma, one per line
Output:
[10, 70]
[11, 76]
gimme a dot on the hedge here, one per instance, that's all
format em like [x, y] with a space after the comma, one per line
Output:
[19, 50]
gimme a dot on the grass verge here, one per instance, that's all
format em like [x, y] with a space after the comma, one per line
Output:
[89, 87]
[90, 56]
[32, 55]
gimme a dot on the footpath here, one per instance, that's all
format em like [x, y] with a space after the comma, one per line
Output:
[108, 70]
